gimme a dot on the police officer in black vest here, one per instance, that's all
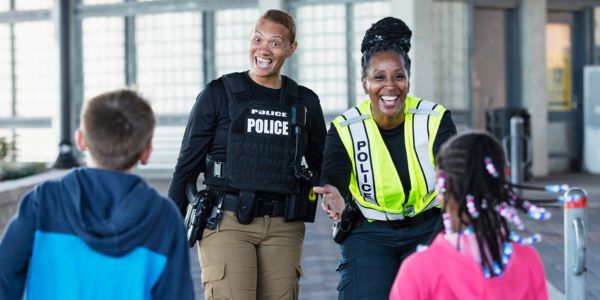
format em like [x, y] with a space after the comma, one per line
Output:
[248, 133]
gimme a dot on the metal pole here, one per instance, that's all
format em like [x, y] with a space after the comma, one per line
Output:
[66, 157]
[516, 150]
[575, 226]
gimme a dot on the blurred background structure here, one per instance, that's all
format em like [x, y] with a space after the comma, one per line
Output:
[486, 60]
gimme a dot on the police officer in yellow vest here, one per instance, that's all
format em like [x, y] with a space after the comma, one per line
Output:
[379, 155]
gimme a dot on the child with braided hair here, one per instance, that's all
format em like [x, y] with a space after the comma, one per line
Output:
[477, 256]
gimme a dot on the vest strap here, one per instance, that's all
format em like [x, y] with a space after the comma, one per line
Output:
[354, 119]
[373, 214]
[421, 141]
[362, 156]
[423, 111]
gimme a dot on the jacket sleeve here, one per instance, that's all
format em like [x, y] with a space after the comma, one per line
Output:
[337, 166]
[16, 248]
[176, 280]
[446, 131]
[197, 138]
[316, 135]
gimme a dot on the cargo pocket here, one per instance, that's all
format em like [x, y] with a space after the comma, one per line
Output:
[216, 286]
[295, 287]
[346, 270]
[299, 272]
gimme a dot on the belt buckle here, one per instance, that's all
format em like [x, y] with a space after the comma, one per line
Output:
[217, 168]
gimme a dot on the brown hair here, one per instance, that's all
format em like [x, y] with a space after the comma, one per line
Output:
[118, 127]
[282, 18]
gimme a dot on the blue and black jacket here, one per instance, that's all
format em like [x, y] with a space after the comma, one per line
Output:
[95, 234]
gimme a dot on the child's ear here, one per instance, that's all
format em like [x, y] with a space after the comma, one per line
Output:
[80, 140]
[145, 156]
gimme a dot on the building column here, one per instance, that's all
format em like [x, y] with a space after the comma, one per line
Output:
[64, 17]
[532, 20]
[418, 15]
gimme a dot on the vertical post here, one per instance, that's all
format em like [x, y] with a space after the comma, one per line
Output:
[208, 46]
[575, 226]
[350, 65]
[130, 51]
[516, 150]
[534, 94]
[66, 157]
[13, 85]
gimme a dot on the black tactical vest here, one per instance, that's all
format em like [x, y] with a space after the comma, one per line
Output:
[260, 145]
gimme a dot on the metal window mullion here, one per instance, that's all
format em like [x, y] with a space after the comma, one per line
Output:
[14, 16]
[130, 50]
[298, 3]
[131, 8]
[64, 21]
[291, 67]
[350, 66]
[77, 70]
[13, 84]
[208, 46]
[469, 65]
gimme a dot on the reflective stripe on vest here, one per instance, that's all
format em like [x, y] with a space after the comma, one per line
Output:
[421, 142]
[375, 183]
[362, 155]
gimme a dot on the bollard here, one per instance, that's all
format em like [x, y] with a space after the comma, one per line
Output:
[575, 223]
[515, 153]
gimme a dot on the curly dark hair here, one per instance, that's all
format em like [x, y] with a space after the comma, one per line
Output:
[386, 35]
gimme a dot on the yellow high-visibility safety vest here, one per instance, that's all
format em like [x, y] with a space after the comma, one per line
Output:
[374, 182]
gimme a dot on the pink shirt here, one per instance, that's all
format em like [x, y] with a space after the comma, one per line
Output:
[442, 272]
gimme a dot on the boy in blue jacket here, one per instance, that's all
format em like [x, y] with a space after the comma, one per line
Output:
[99, 232]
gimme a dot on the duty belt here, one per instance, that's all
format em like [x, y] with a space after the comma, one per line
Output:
[413, 221]
[264, 206]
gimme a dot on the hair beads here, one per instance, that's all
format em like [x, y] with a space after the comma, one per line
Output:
[472, 207]
[440, 182]
[489, 166]
[447, 223]
[557, 188]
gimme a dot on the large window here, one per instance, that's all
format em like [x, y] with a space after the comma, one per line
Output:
[86, 2]
[33, 4]
[232, 33]
[321, 54]
[5, 72]
[103, 55]
[597, 35]
[36, 69]
[169, 60]
[558, 65]
[36, 88]
[363, 16]
[169, 74]
[451, 57]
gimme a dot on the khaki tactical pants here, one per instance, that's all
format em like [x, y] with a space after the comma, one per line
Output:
[260, 260]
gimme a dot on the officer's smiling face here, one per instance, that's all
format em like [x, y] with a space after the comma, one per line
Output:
[386, 83]
[269, 47]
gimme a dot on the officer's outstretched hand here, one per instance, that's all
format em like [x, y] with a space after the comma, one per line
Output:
[333, 202]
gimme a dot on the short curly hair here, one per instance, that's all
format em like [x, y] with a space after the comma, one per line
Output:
[118, 127]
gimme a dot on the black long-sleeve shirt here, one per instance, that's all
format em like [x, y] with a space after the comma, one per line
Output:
[208, 126]
[337, 166]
